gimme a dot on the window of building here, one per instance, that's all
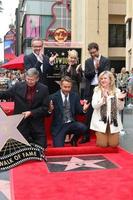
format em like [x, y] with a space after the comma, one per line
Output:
[117, 64]
[117, 35]
[45, 21]
[128, 28]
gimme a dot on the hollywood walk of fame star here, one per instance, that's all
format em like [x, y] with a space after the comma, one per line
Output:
[5, 188]
[75, 163]
[8, 129]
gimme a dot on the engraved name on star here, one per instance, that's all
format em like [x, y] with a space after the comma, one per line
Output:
[75, 163]
[8, 129]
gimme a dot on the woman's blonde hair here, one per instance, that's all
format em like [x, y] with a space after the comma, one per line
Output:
[112, 81]
[73, 53]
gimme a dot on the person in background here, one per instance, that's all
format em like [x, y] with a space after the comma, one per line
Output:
[13, 79]
[65, 105]
[122, 79]
[4, 80]
[130, 90]
[107, 101]
[38, 60]
[113, 72]
[31, 99]
[93, 67]
[73, 70]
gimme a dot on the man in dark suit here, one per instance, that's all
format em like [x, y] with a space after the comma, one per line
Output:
[38, 60]
[31, 99]
[93, 67]
[65, 105]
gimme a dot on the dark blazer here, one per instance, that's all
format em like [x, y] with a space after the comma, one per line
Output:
[75, 105]
[31, 61]
[32, 128]
[90, 70]
[40, 102]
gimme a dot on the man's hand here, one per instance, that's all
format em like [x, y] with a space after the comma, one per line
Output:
[52, 58]
[97, 63]
[51, 107]
[27, 114]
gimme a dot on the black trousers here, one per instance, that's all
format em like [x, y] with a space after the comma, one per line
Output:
[33, 131]
[75, 128]
[90, 110]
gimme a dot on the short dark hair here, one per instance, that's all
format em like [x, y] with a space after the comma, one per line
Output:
[93, 45]
[66, 78]
[36, 39]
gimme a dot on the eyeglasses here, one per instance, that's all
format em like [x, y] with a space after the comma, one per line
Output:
[37, 46]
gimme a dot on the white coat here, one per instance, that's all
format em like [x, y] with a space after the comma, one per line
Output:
[97, 102]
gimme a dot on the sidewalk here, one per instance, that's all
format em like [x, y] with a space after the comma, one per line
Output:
[126, 140]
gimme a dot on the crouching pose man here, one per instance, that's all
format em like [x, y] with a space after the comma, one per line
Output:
[65, 105]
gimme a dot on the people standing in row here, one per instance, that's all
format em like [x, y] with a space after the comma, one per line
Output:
[107, 101]
[93, 67]
[38, 60]
[65, 105]
[73, 70]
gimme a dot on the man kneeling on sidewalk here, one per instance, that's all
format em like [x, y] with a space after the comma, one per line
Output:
[65, 105]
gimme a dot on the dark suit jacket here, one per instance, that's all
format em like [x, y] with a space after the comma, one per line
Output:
[75, 105]
[31, 61]
[90, 71]
[40, 102]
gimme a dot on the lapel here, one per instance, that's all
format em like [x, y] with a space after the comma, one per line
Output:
[23, 90]
[33, 58]
[101, 60]
[92, 64]
[37, 92]
[59, 100]
[71, 99]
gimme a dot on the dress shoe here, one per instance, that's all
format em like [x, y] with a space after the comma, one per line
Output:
[74, 141]
[85, 139]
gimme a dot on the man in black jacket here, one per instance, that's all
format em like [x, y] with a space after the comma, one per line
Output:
[65, 105]
[93, 67]
[38, 60]
[31, 99]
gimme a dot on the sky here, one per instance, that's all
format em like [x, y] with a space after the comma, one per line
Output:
[7, 17]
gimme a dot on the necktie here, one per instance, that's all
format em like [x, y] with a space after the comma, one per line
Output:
[65, 101]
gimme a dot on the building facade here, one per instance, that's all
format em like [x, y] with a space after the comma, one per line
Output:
[129, 34]
[101, 21]
[42, 18]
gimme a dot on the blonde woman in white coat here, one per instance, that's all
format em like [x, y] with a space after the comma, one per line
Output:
[107, 101]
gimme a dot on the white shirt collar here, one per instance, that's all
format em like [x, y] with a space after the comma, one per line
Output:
[63, 96]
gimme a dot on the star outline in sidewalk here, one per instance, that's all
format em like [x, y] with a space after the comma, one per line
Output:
[75, 163]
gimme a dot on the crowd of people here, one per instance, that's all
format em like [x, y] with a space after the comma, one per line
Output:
[104, 96]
